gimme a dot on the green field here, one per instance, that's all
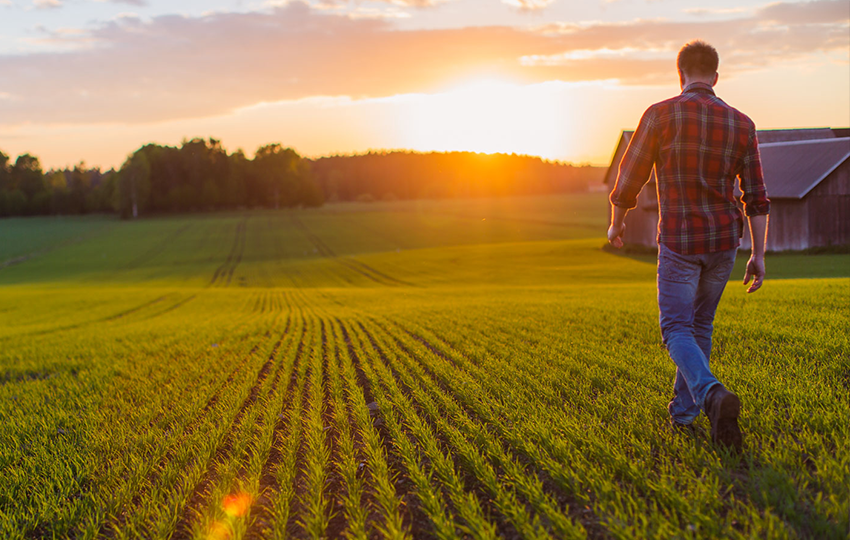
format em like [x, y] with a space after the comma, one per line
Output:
[454, 369]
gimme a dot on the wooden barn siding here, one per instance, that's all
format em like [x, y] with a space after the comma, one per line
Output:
[820, 219]
[641, 227]
[788, 228]
[829, 209]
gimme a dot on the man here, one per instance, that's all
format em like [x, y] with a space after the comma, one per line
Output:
[699, 146]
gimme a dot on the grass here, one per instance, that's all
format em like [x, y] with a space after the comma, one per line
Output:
[415, 369]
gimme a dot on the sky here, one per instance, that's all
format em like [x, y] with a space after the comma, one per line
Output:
[93, 80]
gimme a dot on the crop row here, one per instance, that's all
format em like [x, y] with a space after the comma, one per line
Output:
[286, 413]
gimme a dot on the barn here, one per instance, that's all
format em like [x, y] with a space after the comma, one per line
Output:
[807, 175]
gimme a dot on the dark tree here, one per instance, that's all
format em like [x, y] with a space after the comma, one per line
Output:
[26, 176]
[134, 185]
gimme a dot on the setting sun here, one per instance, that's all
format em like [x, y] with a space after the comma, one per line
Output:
[490, 116]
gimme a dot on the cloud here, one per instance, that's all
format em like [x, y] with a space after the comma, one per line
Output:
[702, 12]
[169, 67]
[47, 4]
[138, 3]
[341, 4]
[415, 3]
[817, 12]
[529, 5]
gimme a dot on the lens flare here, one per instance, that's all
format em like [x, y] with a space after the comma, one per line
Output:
[219, 531]
[237, 505]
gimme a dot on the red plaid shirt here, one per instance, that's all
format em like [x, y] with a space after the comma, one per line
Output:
[699, 145]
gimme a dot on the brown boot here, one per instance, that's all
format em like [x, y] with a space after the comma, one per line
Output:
[723, 408]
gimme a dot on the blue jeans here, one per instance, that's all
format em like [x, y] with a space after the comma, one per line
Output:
[689, 289]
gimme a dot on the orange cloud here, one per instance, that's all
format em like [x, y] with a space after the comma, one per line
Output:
[188, 67]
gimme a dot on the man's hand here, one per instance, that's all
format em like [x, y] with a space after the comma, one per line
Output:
[755, 270]
[614, 235]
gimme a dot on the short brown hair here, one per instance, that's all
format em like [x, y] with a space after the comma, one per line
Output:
[698, 58]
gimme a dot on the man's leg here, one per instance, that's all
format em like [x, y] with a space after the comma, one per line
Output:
[678, 283]
[721, 406]
[717, 267]
[683, 410]
[713, 278]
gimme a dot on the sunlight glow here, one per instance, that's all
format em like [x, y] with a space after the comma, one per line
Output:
[490, 116]
[593, 54]
[235, 506]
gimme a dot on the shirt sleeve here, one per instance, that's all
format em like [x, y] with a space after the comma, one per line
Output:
[751, 180]
[637, 162]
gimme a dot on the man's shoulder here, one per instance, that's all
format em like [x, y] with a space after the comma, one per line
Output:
[743, 119]
[673, 103]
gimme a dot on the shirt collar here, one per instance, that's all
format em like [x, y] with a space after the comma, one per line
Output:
[699, 87]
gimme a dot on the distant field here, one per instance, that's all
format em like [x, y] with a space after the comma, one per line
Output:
[418, 369]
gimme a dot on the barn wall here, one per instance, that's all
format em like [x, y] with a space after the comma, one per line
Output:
[821, 219]
[641, 227]
[837, 183]
[829, 209]
[788, 227]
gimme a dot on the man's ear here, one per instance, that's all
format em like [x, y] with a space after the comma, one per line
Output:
[716, 77]
[681, 79]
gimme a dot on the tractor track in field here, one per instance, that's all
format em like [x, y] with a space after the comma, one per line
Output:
[111, 529]
[359, 267]
[414, 518]
[47, 249]
[134, 310]
[183, 528]
[153, 251]
[575, 509]
[113, 317]
[173, 307]
[108, 318]
[269, 488]
[224, 273]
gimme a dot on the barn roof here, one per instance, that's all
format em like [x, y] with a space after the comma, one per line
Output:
[793, 168]
[794, 160]
[783, 135]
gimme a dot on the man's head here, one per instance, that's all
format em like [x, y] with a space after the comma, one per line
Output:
[697, 62]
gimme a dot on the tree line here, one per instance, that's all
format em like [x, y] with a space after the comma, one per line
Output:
[201, 175]
[413, 175]
[198, 175]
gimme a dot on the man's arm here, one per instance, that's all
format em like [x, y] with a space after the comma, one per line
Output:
[756, 206]
[755, 266]
[633, 174]
[618, 226]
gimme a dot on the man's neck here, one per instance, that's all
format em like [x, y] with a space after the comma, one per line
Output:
[687, 81]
